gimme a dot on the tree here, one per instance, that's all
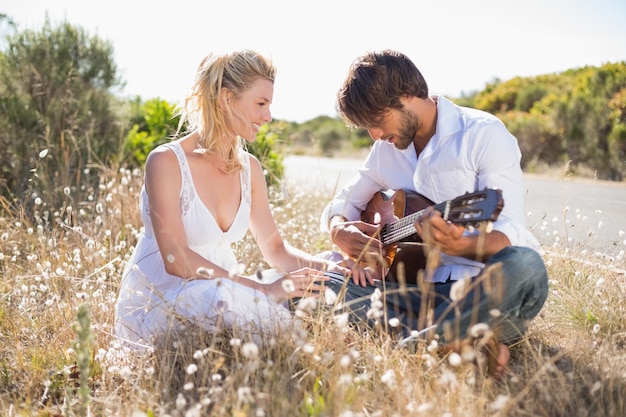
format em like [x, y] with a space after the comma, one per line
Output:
[57, 118]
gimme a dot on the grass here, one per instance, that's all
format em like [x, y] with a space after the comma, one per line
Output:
[61, 270]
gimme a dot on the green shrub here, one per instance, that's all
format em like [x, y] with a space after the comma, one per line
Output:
[267, 148]
[155, 124]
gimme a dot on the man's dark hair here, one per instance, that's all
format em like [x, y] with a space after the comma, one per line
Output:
[375, 83]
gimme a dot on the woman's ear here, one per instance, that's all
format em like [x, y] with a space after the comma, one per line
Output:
[225, 96]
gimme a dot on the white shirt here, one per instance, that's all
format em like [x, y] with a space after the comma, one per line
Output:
[471, 150]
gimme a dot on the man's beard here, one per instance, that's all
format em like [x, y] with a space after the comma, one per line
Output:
[408, 130]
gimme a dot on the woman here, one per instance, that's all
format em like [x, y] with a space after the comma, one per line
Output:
[201, 193]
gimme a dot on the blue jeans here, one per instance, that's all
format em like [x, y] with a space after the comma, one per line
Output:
[507, 295]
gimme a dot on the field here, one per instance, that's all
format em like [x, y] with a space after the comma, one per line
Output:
[58, 357]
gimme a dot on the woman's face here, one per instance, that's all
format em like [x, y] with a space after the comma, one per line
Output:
[252, 109]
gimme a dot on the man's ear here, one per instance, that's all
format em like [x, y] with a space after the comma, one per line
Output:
[406, 99]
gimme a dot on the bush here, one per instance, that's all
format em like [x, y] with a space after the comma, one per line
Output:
[58, 125]
[267, 148]
[155, 124]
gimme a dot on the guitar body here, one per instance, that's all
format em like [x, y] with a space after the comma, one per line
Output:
[387, 207]
[398, 210]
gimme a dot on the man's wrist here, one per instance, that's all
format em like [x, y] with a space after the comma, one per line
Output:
[335, 221]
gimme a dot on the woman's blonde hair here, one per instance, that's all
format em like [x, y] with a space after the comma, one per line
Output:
[201, 110]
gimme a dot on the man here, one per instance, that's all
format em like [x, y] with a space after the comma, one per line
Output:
[428, 145]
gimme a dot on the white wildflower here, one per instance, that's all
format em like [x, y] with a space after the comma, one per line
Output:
[181, 402]
[205, 272]
[236, 271]
[330, 296]
[389, 378]
[341, 320]
[125, 372]
[432, 346]
[345, 380]
[479, 330]
[424, 407]
[454, 359]
[449, 378]
[245, 394]
[345, 361]
[250, 350]
[306, 305]
[499, 402]
[459, 289]
[596, 329]
[288, 286]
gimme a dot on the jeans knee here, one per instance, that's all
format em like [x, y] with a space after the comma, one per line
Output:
[520, 258]
[523, 267]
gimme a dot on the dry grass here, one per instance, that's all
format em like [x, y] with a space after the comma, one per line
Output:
[61, 272]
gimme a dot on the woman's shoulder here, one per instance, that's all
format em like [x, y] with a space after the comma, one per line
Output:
[253, 166]
[162, 156]
[247, 156]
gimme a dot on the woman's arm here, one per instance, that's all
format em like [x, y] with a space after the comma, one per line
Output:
[264, 230]
[163, 185]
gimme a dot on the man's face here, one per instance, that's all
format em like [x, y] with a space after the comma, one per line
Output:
[398, 127]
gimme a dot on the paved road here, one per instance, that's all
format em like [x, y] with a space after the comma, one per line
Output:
[579, 216]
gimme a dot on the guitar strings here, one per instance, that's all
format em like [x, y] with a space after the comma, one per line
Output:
[396, 231]
[404, 227]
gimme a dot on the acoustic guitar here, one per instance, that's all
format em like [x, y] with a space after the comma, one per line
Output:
[398, 210]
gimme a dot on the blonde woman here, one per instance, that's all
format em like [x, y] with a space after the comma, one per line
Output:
[202, 192]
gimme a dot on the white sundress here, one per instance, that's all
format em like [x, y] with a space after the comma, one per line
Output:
[152, 302]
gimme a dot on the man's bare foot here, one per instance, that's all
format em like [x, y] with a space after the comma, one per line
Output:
[499, 362]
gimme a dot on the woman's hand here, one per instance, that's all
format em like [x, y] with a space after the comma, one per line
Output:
[362, 275]
[305, 282]
[339, 268]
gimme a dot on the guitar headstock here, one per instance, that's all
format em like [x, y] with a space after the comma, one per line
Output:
[472, 209]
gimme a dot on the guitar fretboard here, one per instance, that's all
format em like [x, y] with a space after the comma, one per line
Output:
[403, 228]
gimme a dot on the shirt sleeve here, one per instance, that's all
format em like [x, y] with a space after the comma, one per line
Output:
[352, 199]
[497, 159]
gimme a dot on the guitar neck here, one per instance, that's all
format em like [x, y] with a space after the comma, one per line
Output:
[403, 228]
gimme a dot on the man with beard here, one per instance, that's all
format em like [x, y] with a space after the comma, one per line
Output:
[473, 281]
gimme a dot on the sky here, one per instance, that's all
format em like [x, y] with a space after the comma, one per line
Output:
[458, 45]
